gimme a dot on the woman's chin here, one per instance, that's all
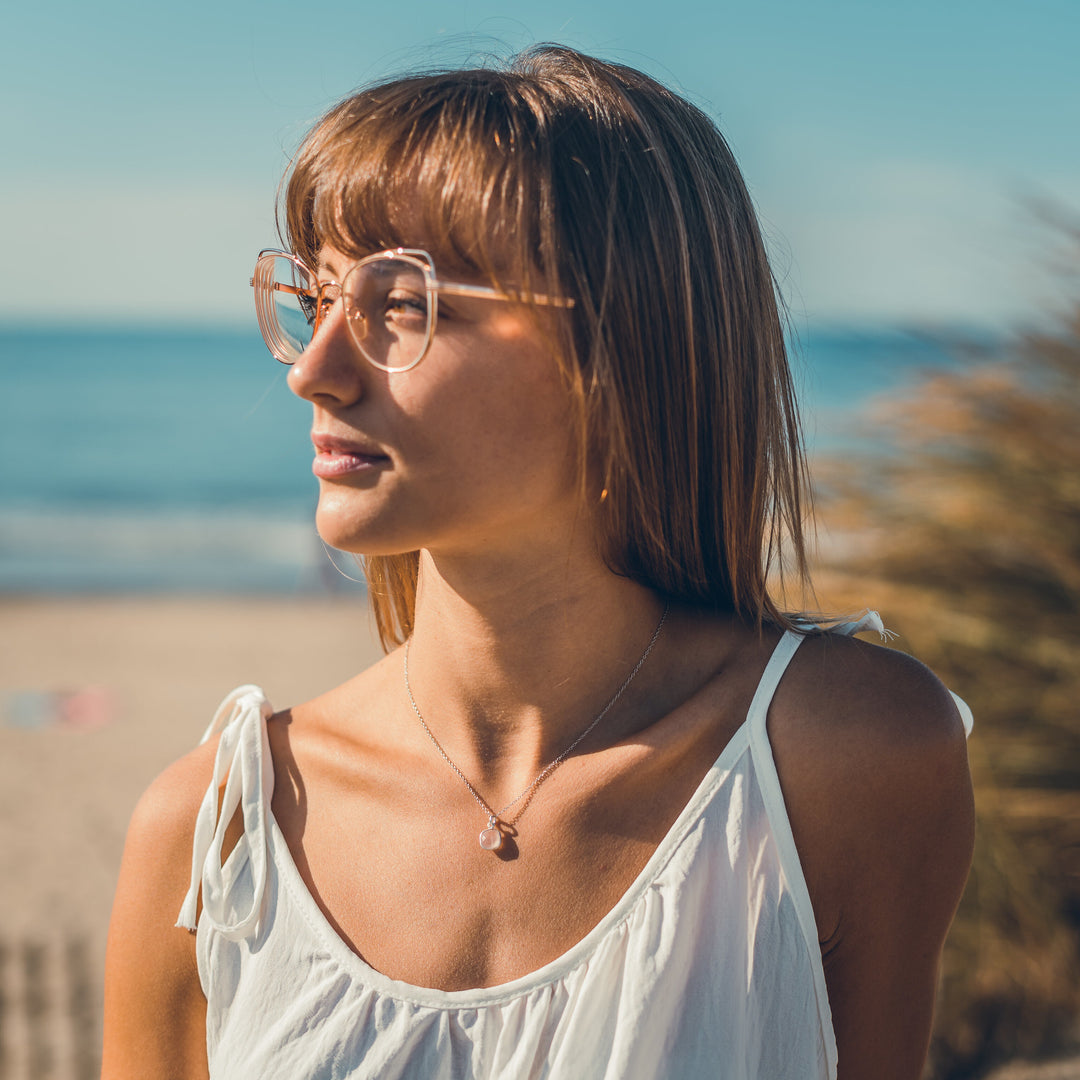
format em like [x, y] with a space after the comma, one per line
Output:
[342, 539]
[355, 541]
[338, 533]
[339, 525]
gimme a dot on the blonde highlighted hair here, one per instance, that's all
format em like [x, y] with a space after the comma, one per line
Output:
[574, 177]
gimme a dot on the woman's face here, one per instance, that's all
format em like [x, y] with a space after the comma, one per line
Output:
[469, 452]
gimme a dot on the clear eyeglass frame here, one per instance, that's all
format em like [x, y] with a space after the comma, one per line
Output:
[288, 351]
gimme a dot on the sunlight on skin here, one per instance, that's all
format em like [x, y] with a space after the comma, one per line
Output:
[510, 326]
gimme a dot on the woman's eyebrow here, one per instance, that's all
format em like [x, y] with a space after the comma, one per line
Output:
[324, 264]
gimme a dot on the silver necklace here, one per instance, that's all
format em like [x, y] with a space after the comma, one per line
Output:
[491, 837]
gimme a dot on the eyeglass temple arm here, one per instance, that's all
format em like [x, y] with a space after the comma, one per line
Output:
[454, 288]
[279, 287]
[485, 292]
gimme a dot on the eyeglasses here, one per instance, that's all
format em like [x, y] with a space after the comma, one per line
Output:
[391, 303]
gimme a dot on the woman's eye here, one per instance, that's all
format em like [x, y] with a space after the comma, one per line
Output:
[405, 306]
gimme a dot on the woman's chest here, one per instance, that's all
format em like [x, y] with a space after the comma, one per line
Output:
[400, 875]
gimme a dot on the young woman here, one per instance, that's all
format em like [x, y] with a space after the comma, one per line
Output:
[603, 810]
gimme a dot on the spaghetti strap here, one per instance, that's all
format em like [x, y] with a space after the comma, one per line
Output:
[776, 810]
[244, 766]
[770, 679]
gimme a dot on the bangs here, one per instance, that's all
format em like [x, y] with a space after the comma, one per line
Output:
[451, 165]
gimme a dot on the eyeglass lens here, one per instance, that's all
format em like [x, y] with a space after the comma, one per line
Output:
[385, 300]
[386, 305]
[293, 299]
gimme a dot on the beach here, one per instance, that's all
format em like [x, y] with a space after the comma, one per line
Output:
[99, 695]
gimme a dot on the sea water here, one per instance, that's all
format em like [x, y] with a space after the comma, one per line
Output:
[177, 460]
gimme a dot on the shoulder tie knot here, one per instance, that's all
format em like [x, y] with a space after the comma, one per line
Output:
[244, 767]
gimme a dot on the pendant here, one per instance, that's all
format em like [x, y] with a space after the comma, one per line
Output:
[491, 838]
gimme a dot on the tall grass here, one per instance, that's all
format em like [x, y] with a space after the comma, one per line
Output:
[966, 534]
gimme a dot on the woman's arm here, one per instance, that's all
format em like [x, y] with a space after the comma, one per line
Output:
[155, 1012]
[875, 776]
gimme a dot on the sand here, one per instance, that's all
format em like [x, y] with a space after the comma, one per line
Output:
[148, 673]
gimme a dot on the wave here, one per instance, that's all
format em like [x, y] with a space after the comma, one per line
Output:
[46, 550]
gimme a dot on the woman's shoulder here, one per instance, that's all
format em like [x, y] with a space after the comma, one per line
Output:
[865, 698]
[162, 827]
[871, 753]
[855, 719]
[166, 811]
[152, 983]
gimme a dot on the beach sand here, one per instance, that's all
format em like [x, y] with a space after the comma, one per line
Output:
[97, 697]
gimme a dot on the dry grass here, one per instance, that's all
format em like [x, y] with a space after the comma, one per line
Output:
[966, 535]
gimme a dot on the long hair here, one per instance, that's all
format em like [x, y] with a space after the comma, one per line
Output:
[579, 178]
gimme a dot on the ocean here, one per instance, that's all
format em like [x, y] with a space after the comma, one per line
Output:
[139, 460]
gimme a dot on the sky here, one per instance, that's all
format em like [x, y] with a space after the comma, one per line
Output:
[894, 151]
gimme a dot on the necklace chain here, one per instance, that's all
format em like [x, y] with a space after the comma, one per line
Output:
[492, 833]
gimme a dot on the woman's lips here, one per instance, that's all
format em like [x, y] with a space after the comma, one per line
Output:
[336, 457]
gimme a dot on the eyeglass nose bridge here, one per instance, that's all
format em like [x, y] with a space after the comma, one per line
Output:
[357, 320]
[322, 309]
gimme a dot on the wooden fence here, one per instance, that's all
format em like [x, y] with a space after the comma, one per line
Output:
[50, 1009]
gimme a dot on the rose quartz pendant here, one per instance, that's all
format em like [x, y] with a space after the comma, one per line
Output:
[491, 838]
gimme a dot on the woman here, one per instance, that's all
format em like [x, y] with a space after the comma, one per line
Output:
[603, 810]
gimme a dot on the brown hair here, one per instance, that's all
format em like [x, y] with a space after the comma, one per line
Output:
[602, 185]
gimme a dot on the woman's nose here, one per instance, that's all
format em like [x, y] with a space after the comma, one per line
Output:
[331, 368]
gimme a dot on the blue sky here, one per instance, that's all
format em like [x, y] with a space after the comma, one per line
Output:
[891, 148]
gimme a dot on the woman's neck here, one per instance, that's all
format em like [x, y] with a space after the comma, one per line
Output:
[510, 663]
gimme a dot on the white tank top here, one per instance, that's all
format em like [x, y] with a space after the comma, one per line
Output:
[708, 966]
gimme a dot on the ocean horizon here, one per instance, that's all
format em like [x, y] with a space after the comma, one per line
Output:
[143, 459]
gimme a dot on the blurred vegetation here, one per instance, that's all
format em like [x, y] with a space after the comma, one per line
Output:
[962, 527]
